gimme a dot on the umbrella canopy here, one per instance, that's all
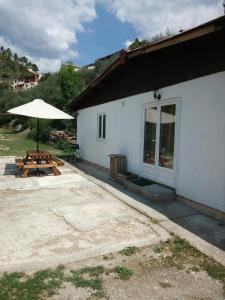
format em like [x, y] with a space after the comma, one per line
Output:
[39, 109]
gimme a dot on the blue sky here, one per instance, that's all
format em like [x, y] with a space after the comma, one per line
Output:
[106, 34]
[52, 32]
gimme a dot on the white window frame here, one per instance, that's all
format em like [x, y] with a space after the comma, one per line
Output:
[100, 136]
[155, 172]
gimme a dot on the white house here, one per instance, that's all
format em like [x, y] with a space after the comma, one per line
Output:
[21, 84]
[163, 107]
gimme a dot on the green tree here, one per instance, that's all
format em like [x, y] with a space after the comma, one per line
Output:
[162, 35]
[24, 60]
[11, 66]
[8, 53]
[137, 43]
[34, 67]
[155, 38]
[70, 83]
[15, 57]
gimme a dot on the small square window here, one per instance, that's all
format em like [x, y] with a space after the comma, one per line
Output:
[101, 126]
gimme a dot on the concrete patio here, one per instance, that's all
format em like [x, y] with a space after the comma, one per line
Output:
[51, 220]
[81, 214]
[203, 232]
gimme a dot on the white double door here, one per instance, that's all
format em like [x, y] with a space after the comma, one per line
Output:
[159, 142]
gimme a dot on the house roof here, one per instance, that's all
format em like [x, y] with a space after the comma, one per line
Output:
[152, 49]
[109, 55]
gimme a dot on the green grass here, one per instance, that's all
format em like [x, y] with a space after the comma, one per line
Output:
[158, 248]
[181, 254]
[107, 257]
[80, 281]
[45, 283]
[174, 253]
[123, 272]
[89, 277]
[165, 284]
[20, 287]
[214, 270]
[16, 144]
[128, 251]
[91, 271]
[154, 220]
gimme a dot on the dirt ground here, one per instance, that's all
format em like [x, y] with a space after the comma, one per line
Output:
[157, 274]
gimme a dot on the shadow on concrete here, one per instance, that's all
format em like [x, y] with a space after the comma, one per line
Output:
[207, 228]
[10, 169]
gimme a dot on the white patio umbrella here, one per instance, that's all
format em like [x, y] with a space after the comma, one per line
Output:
[41, 110]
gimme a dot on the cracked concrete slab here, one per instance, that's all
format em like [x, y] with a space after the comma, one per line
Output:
[46, 221]
[202, 232]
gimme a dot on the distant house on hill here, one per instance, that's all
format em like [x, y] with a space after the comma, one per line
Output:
[163, 107]
[76, 67]
[108, 59]
[21, 84]
[112, 56]
[90, 66]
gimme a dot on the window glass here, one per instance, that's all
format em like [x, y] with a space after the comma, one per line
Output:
[104, 126]
[101, 126]
[150, 135]
[167, 135]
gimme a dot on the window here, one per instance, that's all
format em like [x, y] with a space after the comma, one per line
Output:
[101, 126]
[167, 135]
[150, 135]
[159, 135]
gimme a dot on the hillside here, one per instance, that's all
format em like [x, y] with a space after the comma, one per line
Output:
[12, 66]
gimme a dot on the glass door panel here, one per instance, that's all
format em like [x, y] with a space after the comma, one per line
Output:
[149, 155]
[158, 160]
[167, 136]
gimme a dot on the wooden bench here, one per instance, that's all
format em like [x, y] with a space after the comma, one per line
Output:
[19, 163]
[59, 162]
[34, 160]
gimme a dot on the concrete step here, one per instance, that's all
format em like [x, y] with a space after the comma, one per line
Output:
[159, 193]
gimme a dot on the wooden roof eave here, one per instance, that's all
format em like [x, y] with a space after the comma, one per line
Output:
[172, 41]
[108, 70]
[203, 29]
[190, 34]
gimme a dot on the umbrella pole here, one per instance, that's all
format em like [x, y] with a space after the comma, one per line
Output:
[37, 134]
[37, 142]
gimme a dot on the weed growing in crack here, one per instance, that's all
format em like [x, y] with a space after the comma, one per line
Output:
[87, 277]
[128, 251]
[181, 253]
[42, 283]
[154, 220]
[123, 272]
[165, 284]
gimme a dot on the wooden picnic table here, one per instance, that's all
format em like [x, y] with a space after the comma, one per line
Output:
[38, 160]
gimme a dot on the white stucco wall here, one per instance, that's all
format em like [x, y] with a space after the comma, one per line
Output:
[201, 151]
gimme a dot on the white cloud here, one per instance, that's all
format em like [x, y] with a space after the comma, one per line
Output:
[128, 43]
[46, 64]
[153, 16]
[44, 30]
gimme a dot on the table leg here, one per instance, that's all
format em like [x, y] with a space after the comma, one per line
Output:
[53, 169]
[56, 171]
[25, 172]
